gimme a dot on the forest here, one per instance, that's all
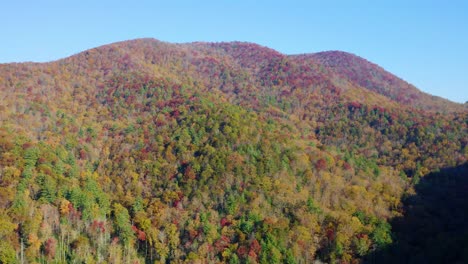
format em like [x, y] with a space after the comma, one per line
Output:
[150, 152]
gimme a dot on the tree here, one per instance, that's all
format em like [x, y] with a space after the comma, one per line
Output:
[123, 224]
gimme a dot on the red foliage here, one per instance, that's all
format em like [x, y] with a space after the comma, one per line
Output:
[193, 233]
[253, 255]
[83, 154]
[225, 222]
[361, 235]
[321, 164]
[189, 173]
[50, 247]
[242, 251]
[330, 234]
[378, 109]
[222, 243]
[74, 215]
[141, 235]
[27, 145]
[255, 246]
[98, 226]
[177, 204]
[346, 166]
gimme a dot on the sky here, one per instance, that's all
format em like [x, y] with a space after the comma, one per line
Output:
[422, 42]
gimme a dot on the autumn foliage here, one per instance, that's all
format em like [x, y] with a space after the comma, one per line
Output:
[144, 151]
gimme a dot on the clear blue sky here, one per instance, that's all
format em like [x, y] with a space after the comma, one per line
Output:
[423, 42]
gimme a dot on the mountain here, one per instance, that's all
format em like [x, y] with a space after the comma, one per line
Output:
[362, 73]
[342, 69]
[144, 151]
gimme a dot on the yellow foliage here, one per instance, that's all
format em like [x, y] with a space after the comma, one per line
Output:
[64, 207]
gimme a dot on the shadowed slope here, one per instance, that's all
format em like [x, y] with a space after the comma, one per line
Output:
[434, 227]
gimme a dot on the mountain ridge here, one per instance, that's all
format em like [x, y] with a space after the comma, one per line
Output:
[405, 92]
[339, 66]
[144, 151]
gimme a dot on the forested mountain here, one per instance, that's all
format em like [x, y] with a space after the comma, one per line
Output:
[370, 76]
[144, 151]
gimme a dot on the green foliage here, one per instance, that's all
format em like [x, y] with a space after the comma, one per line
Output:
[153, 152]
[381, 234]
[48, 192]
[31, 154]
[137, 205]
[123, 224]
[270, 253]
[312, 207]
[361, 245]
[7, 253]
[234, 259]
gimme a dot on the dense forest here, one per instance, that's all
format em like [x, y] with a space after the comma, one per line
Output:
[150, 152]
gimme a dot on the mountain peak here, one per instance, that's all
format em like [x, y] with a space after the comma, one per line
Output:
[265, 66]
[374, 78]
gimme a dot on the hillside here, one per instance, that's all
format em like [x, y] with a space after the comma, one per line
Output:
[372, 77]
[144, 151]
